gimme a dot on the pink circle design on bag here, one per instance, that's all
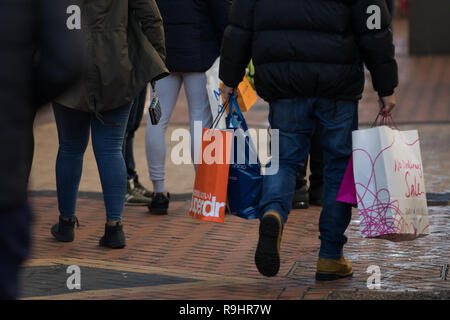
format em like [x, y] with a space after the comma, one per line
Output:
[374, 219]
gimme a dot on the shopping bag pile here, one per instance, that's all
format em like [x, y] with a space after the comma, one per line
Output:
[388, 184]
[228, 169]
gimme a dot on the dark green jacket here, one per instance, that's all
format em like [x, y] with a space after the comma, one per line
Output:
[124, 50]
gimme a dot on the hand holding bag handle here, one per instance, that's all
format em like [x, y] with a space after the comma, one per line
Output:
[235, 118]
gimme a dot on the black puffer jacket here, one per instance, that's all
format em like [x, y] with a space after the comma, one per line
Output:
[39, 58]
[309, 48]
[194, 30]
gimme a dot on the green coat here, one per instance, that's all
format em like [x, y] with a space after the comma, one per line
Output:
[124, 50]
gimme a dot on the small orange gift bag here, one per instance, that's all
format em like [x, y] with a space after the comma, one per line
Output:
[211, 178]
[246, 95]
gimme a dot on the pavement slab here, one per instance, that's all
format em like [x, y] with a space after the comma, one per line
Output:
[179, 257]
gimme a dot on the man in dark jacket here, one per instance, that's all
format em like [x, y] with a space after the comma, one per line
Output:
[39, 58]
[308, 57]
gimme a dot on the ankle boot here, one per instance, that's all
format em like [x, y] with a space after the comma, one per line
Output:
[64, 230]
[114, 236]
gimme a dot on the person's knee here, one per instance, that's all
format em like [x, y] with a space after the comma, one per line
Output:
[73, 147]
[108, 148]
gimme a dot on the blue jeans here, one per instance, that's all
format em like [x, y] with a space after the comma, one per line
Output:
[134, 121]
[295, 119]
[107, 140]
[315, 166]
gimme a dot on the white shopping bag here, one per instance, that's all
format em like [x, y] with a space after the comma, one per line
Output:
[215, 93]
[389, 182]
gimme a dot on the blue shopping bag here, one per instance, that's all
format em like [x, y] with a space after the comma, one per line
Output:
[244, 179]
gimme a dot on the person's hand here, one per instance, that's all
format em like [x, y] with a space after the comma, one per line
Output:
[228, 91]
[387, 105]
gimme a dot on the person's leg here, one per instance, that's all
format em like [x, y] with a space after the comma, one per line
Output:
[167, 90]
[293, 119]
[336, 122]
[107, 142]
[316, 165]
[138, 187]
[73, 134]
[15, 229]
[134, 121]
[32, 143]
[136, 194]
[199, 109]
[300, 200]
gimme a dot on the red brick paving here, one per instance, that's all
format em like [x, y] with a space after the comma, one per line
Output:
[177, 242]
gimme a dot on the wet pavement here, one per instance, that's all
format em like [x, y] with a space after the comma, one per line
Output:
[177, 257]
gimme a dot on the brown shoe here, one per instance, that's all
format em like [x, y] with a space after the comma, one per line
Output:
[333, 269]
[267, 255]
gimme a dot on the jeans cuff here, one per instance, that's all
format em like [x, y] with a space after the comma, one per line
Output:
[274, 207]
[331, 250]
[131, 175]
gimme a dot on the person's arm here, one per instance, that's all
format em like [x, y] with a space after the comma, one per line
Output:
[236, 49]
[59, 52]
[148, 14]
[376, 45]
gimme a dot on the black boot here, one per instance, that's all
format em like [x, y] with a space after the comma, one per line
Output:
[64, 231]
[160, 203]
[114, 236]
[300, 200]
[315, 195]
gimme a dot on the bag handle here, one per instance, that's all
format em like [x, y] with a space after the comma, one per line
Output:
[385, 120]
[153, 84]
[235, 107]
[219, 116]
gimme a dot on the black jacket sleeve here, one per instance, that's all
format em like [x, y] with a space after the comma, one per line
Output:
[236, 49]
[376, 45]
[148, 14]
[59, 57]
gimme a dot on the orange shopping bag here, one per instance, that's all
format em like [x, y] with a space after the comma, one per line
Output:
[211, 178]
[246, 95]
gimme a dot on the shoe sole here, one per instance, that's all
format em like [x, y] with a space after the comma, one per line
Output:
[141, 204]
[300, 205]
[147, 196]
[61, 239]
[328, 276]
[267, 255]
[159, 211]
[112, 245]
